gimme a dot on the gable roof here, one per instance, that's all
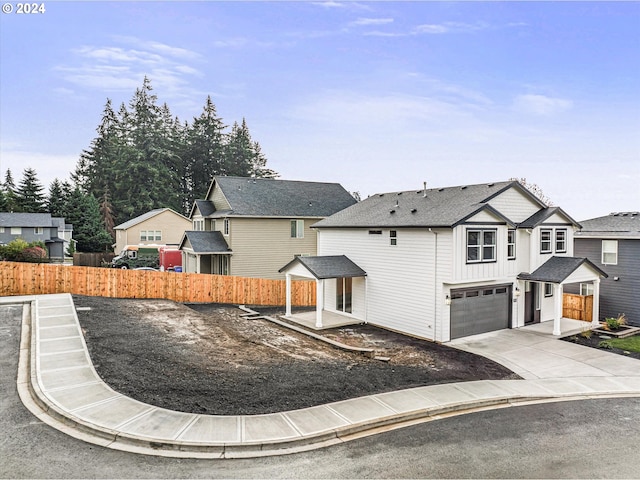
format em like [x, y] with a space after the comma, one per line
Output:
[205, 207]
[8, 219]
[205, 242]
[619, 224]
[328, 266]
[268, 197]
[437, 207]
[541, 215]
[144, 217]
[558, 269]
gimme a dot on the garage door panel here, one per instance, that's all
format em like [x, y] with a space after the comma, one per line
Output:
[479, 310]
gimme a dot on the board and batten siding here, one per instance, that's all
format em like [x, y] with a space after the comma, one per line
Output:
[514, 205]
[616, 296]
[262, 246]
[400, 291]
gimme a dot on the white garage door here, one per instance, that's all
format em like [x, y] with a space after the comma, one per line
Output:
[480, 309]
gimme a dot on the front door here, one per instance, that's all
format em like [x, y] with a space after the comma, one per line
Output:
[531, 303]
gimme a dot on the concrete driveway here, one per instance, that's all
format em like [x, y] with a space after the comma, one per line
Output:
[533, 352]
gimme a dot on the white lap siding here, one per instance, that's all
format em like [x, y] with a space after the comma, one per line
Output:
[400, 285]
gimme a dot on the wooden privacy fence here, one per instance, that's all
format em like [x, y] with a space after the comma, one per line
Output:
[578, 307]
[38, 279]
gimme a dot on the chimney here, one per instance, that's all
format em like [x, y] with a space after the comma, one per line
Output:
[424, 195]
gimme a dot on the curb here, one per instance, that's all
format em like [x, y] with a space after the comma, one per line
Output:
[36, 400]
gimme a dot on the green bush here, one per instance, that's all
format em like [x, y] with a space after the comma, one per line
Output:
[614, 323]
[19, 250]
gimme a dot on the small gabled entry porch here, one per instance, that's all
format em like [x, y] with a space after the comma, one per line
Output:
[543, 299]
[340, 291]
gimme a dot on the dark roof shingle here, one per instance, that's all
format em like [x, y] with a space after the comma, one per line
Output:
[206, 242]
[558, 269]
[329, 266]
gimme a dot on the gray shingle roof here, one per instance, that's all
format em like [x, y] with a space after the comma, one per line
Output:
[440, 207]
[558, 269]
[25, 220]
[265, 197]
[541, 215]
[623, 224]
[205, 207]
[329, 266]
[206, 242]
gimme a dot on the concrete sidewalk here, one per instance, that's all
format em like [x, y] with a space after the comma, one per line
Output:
[59, 384]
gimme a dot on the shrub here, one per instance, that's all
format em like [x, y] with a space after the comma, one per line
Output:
[34, 254]
[614, 323]
[19, 250]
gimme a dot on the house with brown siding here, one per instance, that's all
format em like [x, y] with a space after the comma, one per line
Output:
[250, 227]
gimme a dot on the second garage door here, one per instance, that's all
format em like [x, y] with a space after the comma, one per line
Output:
[480, 309]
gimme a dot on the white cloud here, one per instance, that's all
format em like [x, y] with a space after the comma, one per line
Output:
[541, 104]
[47, 166]
[371, 21]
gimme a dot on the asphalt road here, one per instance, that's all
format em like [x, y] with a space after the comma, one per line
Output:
[577, 439]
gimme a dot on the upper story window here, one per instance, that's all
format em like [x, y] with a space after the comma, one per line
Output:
[393, 237]
[511, 244]
[297, 228]
[16, 230]
[609, 252]
[38, 230]
[561, 241]
[226, 226]
[1, 229]
[481, 246]
[198, 225]
[545, 241]
[150, 235]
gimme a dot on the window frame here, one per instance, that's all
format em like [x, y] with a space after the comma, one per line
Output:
[38, 230]
[226, 227]
[481, 246]
[586, 288]
[544, 241]
[613, 251]
[562, 231]
[548, 289]
[297, 228]
[511, 244]
[16, 230]
[393, 238]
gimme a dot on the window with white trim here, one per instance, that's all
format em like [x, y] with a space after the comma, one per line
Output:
[481, 246]
[561, 241]
[150, 235]
[586, 289]
[393, 237]
[609, 252]
[38, 230]
[16, 230]
[297, 228]
[545, 241]
[548, 289]
[511, 244]
[198, 225]
[226, 226]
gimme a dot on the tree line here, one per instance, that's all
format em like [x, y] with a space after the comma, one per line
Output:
[141, 159]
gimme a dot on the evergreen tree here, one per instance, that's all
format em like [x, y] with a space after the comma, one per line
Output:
[205, 150]
[83, 211]
[4, 203]
[29, 193]
[243, 156]
[9, 192]
[106, 212]
[57, 198]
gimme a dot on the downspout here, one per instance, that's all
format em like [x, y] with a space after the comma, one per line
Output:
[435, 279]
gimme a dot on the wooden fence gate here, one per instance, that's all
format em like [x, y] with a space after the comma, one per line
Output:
[578, 307]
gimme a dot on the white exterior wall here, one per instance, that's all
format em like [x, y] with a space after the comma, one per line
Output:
[514, 205]
[400, 279]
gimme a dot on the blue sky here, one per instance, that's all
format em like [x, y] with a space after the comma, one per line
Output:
[378, 96]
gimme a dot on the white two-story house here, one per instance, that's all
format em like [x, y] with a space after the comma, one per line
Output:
[448, 262]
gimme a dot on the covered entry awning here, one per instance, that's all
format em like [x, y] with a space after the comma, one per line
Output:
[560, 271]
[319, 268]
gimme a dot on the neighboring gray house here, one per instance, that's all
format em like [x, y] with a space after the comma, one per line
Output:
[33, 227]
[250, 227]
[446, 263]
[612, 243]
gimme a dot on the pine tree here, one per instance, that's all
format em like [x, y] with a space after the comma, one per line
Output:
[29, 193]
[83, 212]
[243, 156]
[106, 212]
[9, 192]
[57, 198]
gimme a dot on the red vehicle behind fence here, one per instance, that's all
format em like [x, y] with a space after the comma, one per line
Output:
[170, 259]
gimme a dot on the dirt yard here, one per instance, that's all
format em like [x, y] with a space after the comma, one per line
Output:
[208, 359]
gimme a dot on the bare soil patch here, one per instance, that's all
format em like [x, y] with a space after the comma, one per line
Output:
[208, 359]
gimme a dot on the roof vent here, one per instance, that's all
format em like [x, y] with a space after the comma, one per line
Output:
[463, 188]
[491, 185]
[399, 193]
[392, 211]
[414, 210]
[381, 195]
[441, 189]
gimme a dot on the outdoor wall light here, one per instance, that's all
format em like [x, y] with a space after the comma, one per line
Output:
[447, 300]
[516, 292]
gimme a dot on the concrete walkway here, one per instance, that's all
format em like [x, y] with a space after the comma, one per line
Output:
[58, 383]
